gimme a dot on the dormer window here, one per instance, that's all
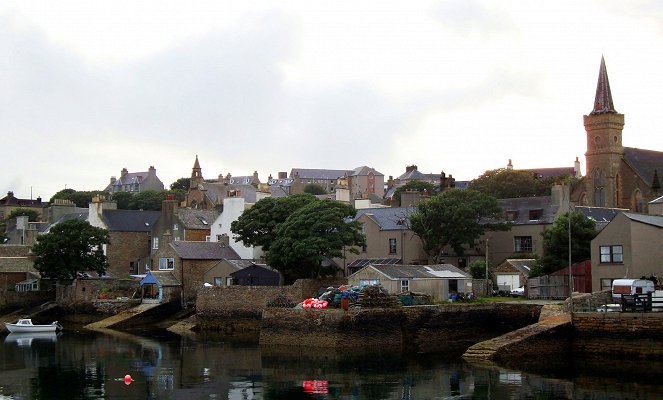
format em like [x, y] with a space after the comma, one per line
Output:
[511, 215]
[535, 215]
[202, 221]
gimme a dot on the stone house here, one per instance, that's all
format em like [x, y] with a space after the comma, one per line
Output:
[438, 281]
[387, 236]
[190, 261]
[135, 182]
[626, 248]
[10, 203]
[130, 234]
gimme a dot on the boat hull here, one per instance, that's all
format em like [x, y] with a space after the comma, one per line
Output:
[28, 327]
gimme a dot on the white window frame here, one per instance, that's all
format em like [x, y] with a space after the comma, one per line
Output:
[368, 282]
[405, 285]
[155, 243]
[520, 244]
[166, 264]
[611, 254]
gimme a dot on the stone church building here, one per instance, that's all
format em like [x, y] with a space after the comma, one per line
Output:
[616, 176]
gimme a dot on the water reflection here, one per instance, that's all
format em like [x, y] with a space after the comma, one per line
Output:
[92, 365]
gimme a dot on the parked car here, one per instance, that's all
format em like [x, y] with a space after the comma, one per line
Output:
[520, 292]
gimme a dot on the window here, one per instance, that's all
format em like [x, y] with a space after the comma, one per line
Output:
[155, 243]
[511, 215]
[599, 188]
[606, 284]
[522, 244]
[392, 246]
[131, 266]
[229, 281]
[218, 281]
[166, 263]
[611, 254]
[405, 285]
[175, 227]
[368, 282]
[535, 215]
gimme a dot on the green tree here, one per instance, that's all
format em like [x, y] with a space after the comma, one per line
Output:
[419, 186]
[313, 233]
[506, 183]
[455, 218]
[123, 200]
[556, 243]
[478, 269]
[256, 226]
[181, 184]
[147, 200]
[314, 189]
[69, 248]
[33, 215]
[81, 199]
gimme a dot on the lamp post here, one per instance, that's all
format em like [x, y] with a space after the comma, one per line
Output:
[570, 267]
[487, 290]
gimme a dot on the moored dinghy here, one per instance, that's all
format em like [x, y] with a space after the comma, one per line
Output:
[25, 325]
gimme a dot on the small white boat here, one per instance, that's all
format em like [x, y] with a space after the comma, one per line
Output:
[25, 325]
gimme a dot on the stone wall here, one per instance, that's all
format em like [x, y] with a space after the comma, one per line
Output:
[234, 309]
[11, 300]
[624, 335]
[589, 302]
[426, 328]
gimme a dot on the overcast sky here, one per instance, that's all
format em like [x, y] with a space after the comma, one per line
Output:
[90, 87]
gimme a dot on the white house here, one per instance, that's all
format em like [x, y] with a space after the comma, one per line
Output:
[233, 207]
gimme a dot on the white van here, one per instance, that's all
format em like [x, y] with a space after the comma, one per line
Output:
[631, 286]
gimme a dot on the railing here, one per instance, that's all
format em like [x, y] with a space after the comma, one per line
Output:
[641, 303]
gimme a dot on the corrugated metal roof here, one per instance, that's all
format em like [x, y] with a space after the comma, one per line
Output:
[437, 271]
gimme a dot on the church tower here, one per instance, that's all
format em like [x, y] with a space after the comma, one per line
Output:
[604, 147]
[196, 175]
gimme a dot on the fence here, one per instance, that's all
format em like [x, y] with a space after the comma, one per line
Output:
[548, 287]
[643, 302]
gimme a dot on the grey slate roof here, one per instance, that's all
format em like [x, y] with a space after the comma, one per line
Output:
[364, 170]
[599, 214]
[523, 265]
[130, 220]
[165, 278]
[437, 271]
[191, 218]
[523, 205]
[644, 162]
[327, 174]
[204, 251]
[216, 192]
[654, 220]
[387, 218]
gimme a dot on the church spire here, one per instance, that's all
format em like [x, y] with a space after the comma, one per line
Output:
[603, 103]
[196, 175]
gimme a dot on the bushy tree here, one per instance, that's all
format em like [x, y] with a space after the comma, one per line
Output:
[181, 184]
[418, 186]
[478, 269]
[311, 234]
[455, 218]
[556, 243]
[314, 189]
[80, 198]
[33, 215]
[256, 226]
[69, 248]
[504, 183]
[147, 200]
[123, 200]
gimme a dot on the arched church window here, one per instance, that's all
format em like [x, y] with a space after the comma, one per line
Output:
[599, 188]
[637, 204]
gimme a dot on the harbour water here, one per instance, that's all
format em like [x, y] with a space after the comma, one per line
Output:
[80, 364]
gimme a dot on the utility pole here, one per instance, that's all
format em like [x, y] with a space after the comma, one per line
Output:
[570, 266]
[488, 291]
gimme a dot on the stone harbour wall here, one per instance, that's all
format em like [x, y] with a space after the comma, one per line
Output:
[233, 309]
[620, 335]
[427, 328]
